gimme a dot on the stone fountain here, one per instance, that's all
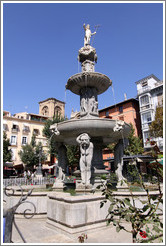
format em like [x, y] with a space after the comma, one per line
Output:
[75, 214]
[89, 131]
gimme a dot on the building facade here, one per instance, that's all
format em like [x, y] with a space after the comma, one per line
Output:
[128, 111]
[21, 126]
[150, 95]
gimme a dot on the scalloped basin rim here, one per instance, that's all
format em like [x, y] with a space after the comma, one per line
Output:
[88, 79]
[96, 128]
[88, 73]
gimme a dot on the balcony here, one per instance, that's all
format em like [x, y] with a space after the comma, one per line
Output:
[146, 107]
[143, 90]
[13, 144]
[25, 131]
[14, 130]
[146, 125]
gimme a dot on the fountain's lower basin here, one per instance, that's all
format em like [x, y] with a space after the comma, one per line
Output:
[96, 128]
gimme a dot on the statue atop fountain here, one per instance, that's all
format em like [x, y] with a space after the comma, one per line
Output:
[88, 34]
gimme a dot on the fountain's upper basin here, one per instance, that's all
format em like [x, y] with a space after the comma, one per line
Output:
[95, 127]
[88, 79]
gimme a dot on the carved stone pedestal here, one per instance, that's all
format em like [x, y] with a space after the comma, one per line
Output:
[83, 188]
[96, 180]
[59, 186]
[122, 187]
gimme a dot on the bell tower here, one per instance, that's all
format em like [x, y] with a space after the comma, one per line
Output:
[51, 107]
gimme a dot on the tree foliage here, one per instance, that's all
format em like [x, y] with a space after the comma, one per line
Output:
[73, 155]
[144, 219]
[72, 151]
[29, 154]
[7, 153]
[156, 127]
[135, 146]
[49, 135]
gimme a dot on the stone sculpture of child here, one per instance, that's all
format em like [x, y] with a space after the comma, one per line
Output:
[86, 149]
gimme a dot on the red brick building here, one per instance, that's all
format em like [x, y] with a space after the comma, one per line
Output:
[127, 111]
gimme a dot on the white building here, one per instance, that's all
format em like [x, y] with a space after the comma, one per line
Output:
[150, 95]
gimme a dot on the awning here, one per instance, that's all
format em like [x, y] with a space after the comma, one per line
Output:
[47, 166]
[18, 166]
[8, 164]
[159, 161]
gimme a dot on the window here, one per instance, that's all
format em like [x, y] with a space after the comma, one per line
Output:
[144, 100]
[15, 127]
[145, 83]
[4, 127]
[57, 111]
[45, 111]
[24, 140]
[146, 117]
[36, 131]
[25, 128]
[121, 109]
[13, 140]
[146, 136]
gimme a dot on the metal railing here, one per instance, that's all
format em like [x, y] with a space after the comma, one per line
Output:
[8, 213]
[28, 181]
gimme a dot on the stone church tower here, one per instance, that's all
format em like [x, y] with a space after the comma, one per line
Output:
[51, 107]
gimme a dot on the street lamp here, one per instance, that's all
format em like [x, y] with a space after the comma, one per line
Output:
[39, 168]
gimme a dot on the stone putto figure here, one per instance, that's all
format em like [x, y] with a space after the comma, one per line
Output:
[88, 34]
[118, 126]
[61, 175]
[86, 149]
[118, 159]
[54, 129]
[62, 155]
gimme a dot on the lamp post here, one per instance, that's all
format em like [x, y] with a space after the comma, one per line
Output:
[39, 168]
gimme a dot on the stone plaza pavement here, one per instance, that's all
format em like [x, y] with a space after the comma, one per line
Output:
[35, 230]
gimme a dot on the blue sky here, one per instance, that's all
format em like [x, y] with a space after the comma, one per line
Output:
[41, 43]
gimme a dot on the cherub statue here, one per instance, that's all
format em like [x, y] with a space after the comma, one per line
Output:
[86, 149]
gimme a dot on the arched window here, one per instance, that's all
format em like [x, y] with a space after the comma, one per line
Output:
[45, 111]
[57, 111]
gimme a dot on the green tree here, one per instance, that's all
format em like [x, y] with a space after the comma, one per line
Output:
[156, 127]
[49, 135]
[72, 151]
[7, 153]
[73, 154]
[135, 146]
[29, 154]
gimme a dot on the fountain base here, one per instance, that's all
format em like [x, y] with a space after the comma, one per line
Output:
[75, 214]
[59, 186]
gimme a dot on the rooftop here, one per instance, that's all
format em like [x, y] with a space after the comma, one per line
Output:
[147, 77]
[51, 98]
[125, 101]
